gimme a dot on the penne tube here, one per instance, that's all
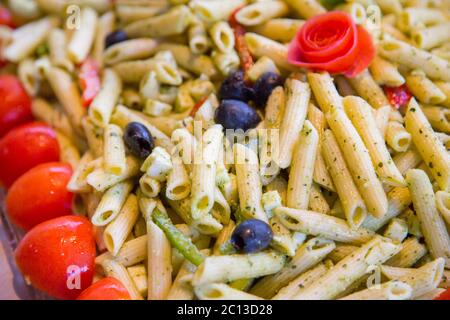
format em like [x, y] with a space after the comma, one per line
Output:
[114, 159]
[222, 36]
[445, 89]
[397, 137]
[159, 264]
[68, 95]
[204, 172]
[57, 43]
[405, 54]
[105, 26]
[308, 255]
[260, 12]
[297, 99]
[421, 280]
[131, 253]
[68, 151]
[369, 90]
[318, 224]
[302, 281]
[430, 148]
[317, 201]
[382, 119]
[134, 49]
[324, 91]
[138, 274]
[306, 8]
[52, 115]
[434, 36]
[221, 291]
[83, 38]
[443, 205]
[104, 103]
[118, 230]
[173, 22]
[392, 290]
[116, 270]
[100, 180]
[248, 183]
[302, 168]
[111, 203]
[134, 71]
[196, 63]
[432, 224]
[260, 46]
[27, 38]
[398, 200]
[412, 251]
[438, 117]
[385, 73]
[321, 175]
[237, 266]
[279, 29]
[352, 203]
[349, 270]
[356, 154]
[215, 10]
[199, 42]
[423, 88]
[360, 114]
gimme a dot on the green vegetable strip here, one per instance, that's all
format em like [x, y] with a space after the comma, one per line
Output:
[177, 238]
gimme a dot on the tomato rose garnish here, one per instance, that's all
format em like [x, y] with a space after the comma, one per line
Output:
[332, 42]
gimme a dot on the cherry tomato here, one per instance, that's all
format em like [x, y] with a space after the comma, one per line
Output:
[105, 289]
[15, 104]
[57, 256]
[444, 295]
[25, 147]
[6, 18]
[40, 194]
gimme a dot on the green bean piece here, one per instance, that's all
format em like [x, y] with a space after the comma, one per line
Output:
[177, 238]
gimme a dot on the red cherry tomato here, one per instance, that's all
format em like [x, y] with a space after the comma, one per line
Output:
[40, 194]
[25, 147]
[6, 18]
[444, 295]
[105, 289]
[15, 104]
[89, 80]
[57, 256]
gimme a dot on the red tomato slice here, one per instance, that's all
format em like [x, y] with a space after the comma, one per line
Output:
[240, 43]
[89, 80]
[45, 188]
[444, 295]
[6, 18]
[398, 96]
[15, 104]
[57, 256]
[105, 289]
[25, 147]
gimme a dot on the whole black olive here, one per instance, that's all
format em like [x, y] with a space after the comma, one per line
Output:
[138, 140]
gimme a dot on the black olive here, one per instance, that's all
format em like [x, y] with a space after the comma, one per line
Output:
[264, 86]
[138, 140]
[234, 114]
[251, 236]
[234, 87]
[115, 37]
